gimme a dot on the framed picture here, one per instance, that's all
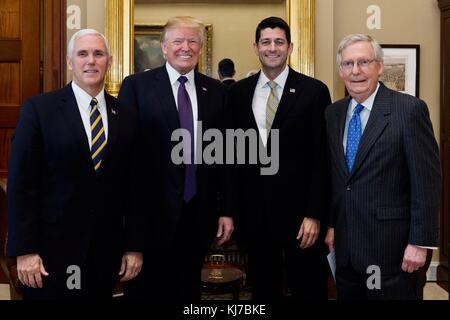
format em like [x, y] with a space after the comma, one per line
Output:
[401, 68]
[148, 53]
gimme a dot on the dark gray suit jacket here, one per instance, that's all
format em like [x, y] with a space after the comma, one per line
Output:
[391, 197]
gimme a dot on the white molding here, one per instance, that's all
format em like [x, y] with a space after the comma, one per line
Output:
[432, 271]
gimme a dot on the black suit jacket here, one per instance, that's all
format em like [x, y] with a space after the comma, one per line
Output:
[228, 82]
[391, 197]
[299, 188]
[160, 181]
[57, 206]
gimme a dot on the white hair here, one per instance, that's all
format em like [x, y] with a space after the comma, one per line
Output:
[83, 32]
[358, 37]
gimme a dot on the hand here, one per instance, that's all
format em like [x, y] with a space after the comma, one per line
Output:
[414, 258]
[29, 270]
[329, 239]
[131, 265]
[309, 232]
[224, 230]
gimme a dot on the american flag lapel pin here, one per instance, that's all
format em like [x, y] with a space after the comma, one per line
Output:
[292, 90]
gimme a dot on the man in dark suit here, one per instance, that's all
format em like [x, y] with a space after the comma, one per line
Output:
[180, 199]
[226, 71]
[68, 185]
[280, 214]
[385, 181]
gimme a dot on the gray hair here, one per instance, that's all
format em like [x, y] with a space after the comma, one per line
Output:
[357, 37]
[180, 22]
[84, 32]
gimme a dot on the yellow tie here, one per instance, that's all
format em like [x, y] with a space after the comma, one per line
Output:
[272, 104]
[97, 135]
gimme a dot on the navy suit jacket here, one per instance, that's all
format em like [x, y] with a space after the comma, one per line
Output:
[58, 206]
[161, 181]
[391, 197]
[300, 187]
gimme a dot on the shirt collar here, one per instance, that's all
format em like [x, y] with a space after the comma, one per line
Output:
[84, 98]
[368, 103]
[280, 80]
[174, 75]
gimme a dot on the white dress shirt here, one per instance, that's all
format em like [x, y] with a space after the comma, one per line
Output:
[260, 96]
[190, 88]
[84, 105]
[364, 114]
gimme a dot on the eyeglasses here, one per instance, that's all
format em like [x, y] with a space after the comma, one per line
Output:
[349, 64]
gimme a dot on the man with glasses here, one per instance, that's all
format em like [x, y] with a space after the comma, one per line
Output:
[280, 215]
[386, 181]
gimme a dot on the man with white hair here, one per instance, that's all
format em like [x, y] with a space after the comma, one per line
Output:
[385, 178]
[70, 224]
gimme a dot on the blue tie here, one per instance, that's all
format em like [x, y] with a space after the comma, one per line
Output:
[187, 122]
[353, 137]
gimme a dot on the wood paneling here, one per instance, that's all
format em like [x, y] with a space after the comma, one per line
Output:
[54, 76]
[10, 26]
[19, 65]
[10, 50]
[5, 140]
[9, 84]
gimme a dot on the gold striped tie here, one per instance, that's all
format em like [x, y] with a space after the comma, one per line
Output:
[97, 135]
[272, 104]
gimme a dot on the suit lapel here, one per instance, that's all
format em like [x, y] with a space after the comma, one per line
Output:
[378, 120]
[291, 89]
[338, 133]
[165, 95]
[72, 118]
[202, 98]
[247, 102]
[113, 127]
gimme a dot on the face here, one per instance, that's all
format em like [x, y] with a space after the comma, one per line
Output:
[182, 48]
[361, 81]
[273, 50]
[89, 63]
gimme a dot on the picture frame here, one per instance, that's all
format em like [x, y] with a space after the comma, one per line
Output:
[401, 67]
[148, 53]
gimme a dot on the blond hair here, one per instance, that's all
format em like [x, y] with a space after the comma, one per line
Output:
[182, 22]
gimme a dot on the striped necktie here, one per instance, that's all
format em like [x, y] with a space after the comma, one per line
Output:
[272, 104]
[97, 135]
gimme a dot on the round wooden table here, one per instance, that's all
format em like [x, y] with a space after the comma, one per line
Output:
[222, 278]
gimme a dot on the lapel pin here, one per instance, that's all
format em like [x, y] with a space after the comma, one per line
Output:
[204, 89]
[113, 111]
[292, 90]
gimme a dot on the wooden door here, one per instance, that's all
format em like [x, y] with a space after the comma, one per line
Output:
[19, 65]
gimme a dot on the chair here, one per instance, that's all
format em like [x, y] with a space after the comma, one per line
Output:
[7, 265]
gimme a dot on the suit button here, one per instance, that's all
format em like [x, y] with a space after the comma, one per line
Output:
[348, 188]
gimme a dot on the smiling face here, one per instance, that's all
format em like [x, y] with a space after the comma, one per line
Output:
[182, 48]
[360, 81]
[273, 50]
[89, 63]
